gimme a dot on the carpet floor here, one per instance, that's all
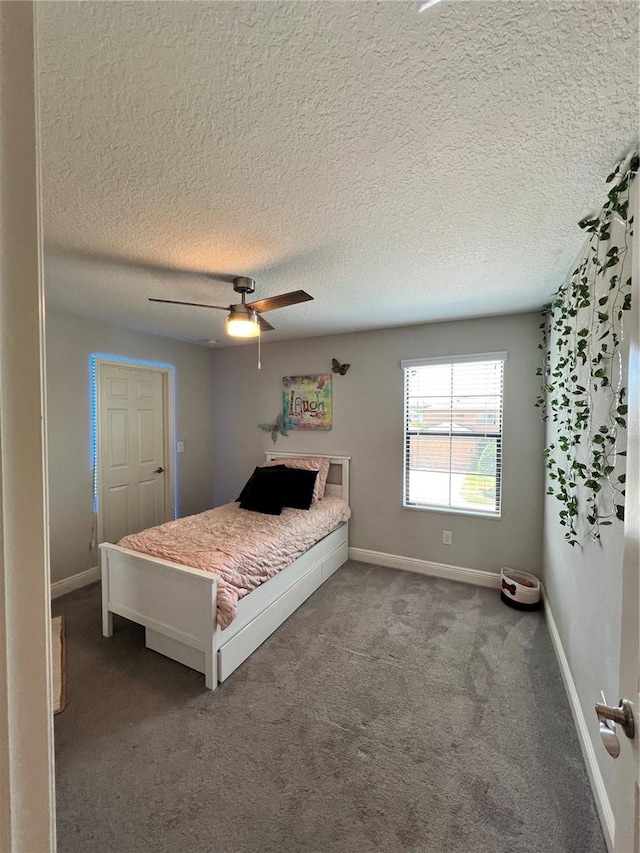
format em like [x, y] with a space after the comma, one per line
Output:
[391, 712]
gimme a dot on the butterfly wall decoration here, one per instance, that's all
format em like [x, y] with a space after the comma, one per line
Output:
[276, 428]
[339, 368]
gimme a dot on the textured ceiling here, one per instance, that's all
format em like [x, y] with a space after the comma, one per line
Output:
[402, 167]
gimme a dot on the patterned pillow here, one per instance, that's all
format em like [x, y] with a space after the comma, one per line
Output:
[308, 463]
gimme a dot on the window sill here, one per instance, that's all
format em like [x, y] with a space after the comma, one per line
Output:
[454, 511]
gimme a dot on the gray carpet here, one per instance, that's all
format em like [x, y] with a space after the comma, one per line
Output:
[392, 712]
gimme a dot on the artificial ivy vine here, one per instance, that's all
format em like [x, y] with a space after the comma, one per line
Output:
[582, 378]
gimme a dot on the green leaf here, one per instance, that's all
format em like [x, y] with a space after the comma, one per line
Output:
[619, 512]
[623, 208]
[587, 223]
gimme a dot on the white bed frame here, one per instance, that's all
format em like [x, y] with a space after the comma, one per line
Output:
[177, 604]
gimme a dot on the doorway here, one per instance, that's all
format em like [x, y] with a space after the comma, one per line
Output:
[134, 464]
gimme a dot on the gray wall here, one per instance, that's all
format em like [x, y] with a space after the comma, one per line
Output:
[70, 343]
[583, 589]
[584, 584]
[368, 426]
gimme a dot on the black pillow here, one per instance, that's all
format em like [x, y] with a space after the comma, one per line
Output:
[301, 484]
[267, 490]
[246, 485]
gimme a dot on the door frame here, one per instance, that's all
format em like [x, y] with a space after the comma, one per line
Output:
[626, 794]
[27, 783]
[98, 360]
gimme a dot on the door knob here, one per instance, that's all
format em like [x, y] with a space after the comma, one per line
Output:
[609, 738]
[622, 715]
[608, 718]
[159, 471]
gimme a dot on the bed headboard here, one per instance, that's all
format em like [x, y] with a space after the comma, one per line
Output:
[338, 479]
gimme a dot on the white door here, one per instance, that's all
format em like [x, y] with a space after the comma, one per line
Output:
[131, 451]
[626, 805]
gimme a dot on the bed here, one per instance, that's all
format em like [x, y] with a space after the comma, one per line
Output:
[178, 607]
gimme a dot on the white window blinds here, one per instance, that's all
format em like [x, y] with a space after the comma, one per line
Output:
[453, 433]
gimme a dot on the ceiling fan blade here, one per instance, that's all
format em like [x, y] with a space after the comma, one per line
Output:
[265, 325]
[282, 301]
[193, 304]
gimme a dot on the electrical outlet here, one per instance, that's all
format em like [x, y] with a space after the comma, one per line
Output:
[447, 538]
[181, 447]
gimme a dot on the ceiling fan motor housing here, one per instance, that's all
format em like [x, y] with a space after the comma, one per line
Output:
[242, 284]
[244, 311]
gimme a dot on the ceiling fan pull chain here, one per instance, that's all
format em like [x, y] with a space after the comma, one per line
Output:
[259, 339]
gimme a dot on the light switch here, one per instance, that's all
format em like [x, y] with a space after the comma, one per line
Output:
[181, 447]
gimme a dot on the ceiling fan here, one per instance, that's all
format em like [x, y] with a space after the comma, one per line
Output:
[245, 319]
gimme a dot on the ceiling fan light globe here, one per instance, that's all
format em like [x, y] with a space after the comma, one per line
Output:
[241, 325]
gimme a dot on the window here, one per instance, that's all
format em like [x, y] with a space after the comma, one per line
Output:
[453, 433]
[486, 417]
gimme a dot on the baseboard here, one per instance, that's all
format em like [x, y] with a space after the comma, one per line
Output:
[426, 567]
[593, 769]
[66, 585]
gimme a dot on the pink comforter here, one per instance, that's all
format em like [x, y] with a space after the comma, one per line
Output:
[244, 548]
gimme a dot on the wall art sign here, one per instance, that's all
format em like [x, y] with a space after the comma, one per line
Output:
[306, 401]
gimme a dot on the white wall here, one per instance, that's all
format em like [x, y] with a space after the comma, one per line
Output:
[368, 426]
[70, 343]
